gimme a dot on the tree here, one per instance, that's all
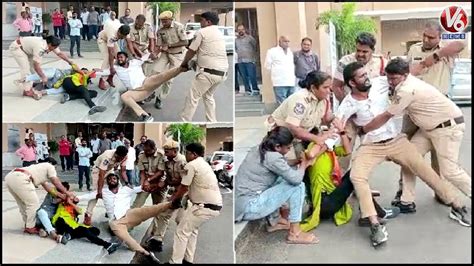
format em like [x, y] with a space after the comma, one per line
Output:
[164, 6]
[189, 133]
[347, 26]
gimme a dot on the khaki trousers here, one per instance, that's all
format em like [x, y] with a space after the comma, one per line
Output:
[203, 86]
[157, 198]
[402, 152]
[132, 218]
[185, 237]
[163, 220]
[24, 192]
[446, 142]
[104, 51]
[166, 62]
[131, 97]
[409, 128]
[95, 181]
[24, 61]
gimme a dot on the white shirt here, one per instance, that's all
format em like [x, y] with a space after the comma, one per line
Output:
[132, 77]
[37, 21]
[78, 141]
[117, 205]
[84, 17]
[95, 145]
[365, 110]
[114, 23]
[130, 163]
[76, 26]
[281, 66]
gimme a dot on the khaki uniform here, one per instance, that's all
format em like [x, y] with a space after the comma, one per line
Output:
[301, 109]
[173, 57]
[142, 38]
[131, 97]
[174, 170]
[108, 38]
[375, 68]
[203, 189]
[401, 151]
[106, 162]
[23, 188]
[28, 51]
[428, 108]
[211, 56]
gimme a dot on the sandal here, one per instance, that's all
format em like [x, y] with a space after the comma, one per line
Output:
[278, 226]
[302, 238]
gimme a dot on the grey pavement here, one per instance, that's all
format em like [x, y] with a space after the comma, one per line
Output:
[428, 236]
[174, 102]
[16, 108]
[214, 244]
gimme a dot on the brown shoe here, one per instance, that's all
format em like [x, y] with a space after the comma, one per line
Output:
[102, 85]
[32, 230]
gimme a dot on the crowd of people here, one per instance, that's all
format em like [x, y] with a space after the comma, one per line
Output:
[115, 172]
[145, 60]
[306, 140]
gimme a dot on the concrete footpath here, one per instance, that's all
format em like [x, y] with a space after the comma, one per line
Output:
[428, 236]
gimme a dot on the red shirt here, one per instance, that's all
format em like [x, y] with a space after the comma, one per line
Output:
[64, 148]
[57, 20]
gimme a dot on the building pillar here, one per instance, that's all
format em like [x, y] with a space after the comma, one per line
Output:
[379, 49]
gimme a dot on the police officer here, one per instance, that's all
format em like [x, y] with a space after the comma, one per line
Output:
[108, 47]
[143, 40]
[22, 184]
[303, 110]
[441, 127]
[432, 62]
[106, 163]
[174, 169]
[205, 202]
[209, 46]
[171, 40]
[365, 47]
[28, 52]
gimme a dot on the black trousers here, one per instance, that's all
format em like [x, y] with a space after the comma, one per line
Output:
[92, 233]
[333, 202]
[85, 32]
[79, 92]
[57, 31]
[84, 170]
[75, 40]
[25, 163]
[68, 160]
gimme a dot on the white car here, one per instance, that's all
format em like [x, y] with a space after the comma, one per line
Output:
[460, 91]
[191, 29]
[229, 37]
[219, 159]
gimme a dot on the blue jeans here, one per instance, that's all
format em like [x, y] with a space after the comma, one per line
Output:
[45, 221]
[93, 30]
[283, 92]
[121, 44]
[273, 198]
[248, 72]
[130, 176]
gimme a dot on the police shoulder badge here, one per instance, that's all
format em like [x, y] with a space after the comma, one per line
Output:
[299, 108]
[106, 162]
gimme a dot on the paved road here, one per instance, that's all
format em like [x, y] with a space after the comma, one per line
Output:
[173, 104]
[427, 236]
[215, 243]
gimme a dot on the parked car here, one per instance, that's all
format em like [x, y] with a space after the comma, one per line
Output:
[229, 37]
[226, 176]
[219, 159]
[460, 91]
[191, 29]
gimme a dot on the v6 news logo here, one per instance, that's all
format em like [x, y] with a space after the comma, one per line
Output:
[454, 20]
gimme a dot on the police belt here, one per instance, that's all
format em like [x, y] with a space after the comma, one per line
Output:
[24, 172]
[383, 141]
[457, 120]
[214, 72]
[176, 53]
[209, 206]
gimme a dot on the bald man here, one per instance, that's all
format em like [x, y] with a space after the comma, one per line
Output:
[279, 61]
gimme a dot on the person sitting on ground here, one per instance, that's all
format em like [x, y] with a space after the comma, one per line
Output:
[265, 181]
[75, 86]
[329, 188]
[130, 73]
[46, 212]
[65, 221]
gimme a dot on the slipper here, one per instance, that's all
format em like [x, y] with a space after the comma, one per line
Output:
[277, 227]
[302, 238]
